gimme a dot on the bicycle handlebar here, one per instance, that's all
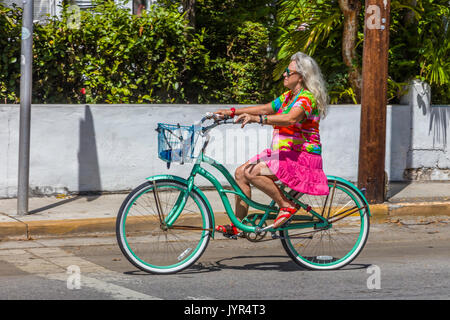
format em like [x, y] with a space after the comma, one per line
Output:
[215, 117]
[217, 121]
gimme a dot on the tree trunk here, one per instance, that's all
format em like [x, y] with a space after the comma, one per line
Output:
[189, 9]
[409, 15]
[351, 9]
[372, 139]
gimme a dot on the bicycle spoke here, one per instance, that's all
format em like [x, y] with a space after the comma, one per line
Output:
[334, 245]
[152, 246]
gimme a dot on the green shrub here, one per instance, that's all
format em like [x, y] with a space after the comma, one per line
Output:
[420, 46]
[155, 58]
[10, 26]
[243, 75]
[239, 36]
[229, 57]
[418, 49]
[115, 56]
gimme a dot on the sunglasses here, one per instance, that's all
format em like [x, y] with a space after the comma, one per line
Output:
[289, 72]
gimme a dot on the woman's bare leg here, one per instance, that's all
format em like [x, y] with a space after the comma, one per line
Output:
[241, 207]
[261, 177]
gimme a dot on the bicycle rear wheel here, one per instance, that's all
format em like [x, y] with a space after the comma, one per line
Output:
[336, 246]
[144, 239]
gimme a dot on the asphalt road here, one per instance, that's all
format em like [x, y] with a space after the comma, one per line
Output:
[405, 259]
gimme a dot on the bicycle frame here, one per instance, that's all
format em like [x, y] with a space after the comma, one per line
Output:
[172, 216]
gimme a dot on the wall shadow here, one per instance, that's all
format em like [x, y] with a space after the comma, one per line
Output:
[428, 121]
[438, 115]
[438, 123]
[400, 147]
[89, 181]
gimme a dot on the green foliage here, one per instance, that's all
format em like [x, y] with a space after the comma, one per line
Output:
[237, 35]
[155, 58]
[309, 27]
[420, 46]
[235, 53]
[242, 73]
[418, 49]
[10, 26]
[315, 28]
[117, 57]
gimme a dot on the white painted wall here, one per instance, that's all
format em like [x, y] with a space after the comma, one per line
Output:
[114, 147]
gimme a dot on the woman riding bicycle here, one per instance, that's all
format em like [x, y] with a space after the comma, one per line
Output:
[295, 154]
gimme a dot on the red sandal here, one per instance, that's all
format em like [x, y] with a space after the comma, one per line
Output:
[285, 217]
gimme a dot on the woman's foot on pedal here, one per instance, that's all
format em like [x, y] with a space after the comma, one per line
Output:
[284, 216]
[228, 230]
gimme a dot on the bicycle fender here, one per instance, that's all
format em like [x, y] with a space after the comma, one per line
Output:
[197, 189]
[351, 185]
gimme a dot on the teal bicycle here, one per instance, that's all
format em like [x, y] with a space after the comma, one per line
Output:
[165, 224]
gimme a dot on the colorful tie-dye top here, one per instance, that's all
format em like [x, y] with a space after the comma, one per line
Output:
[304, 135]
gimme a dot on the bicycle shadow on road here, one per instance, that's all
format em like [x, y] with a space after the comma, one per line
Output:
[234, 264]
[283, 266]
[237, 263]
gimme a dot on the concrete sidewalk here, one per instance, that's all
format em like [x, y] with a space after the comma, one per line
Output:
[66, 216]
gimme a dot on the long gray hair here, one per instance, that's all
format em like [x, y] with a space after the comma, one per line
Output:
[313, 80]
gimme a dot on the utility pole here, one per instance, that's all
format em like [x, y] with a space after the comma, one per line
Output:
[372, 144]
[26, 64]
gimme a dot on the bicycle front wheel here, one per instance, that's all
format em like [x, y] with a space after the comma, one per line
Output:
[144, 238]
[338, 244]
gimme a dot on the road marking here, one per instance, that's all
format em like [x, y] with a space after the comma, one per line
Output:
[52, 263]
[116, 292]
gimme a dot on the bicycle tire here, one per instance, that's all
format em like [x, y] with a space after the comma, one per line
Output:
[315, 249]
[143, 241]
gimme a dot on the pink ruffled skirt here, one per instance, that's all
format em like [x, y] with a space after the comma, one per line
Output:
[300, 171]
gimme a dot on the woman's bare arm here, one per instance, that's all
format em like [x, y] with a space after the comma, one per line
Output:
[283, 120]
[253, 110]
[287, 119]
[256, 110]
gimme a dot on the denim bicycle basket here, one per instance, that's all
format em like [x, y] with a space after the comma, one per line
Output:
[176, 143]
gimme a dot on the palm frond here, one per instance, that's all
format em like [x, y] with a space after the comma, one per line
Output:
[321, 19]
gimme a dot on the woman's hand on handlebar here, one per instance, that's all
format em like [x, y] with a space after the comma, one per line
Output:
[223, 113]
[243, 118]
[246, 118]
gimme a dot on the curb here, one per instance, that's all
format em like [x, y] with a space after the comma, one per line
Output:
[30, 230]
[402, 209]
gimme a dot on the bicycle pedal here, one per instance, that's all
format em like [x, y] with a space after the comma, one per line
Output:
[275, 236]
[229, 236]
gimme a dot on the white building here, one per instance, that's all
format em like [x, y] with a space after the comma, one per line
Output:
[53, 7]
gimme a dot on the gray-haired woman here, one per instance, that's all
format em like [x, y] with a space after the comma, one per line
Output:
[294, 157]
